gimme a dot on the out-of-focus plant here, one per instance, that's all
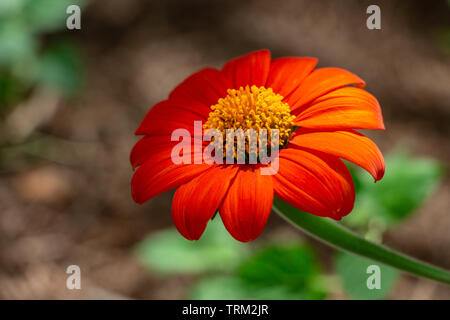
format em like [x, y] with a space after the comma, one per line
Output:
[379, 206]
[233, 270]
[276, 271]
[406, 186]
[166, 252]
[38, 67]
[353, 274]
[25, 62]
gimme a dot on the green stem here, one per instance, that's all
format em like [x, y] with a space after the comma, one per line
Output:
[340, 237]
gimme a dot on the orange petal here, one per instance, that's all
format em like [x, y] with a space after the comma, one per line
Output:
[247, 205]
[159, 174]
[315, 183]
[349, 145]
[205, 86]
[287, 73]
[250, 69]
[320, 82]
[148, 146]
[169, 115]
[342, 109]
[195, 202]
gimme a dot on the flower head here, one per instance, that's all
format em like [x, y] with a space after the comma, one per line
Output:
[315, 113]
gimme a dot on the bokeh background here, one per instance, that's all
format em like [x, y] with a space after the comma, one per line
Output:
[70, 101]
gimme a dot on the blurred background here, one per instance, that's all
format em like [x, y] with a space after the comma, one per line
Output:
[70, 101]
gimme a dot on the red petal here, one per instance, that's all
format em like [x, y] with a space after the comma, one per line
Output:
[316, 183]
[195, 202]
[147, 146]
[159, 174]
[349, 145]
[206, 86]
[154, 148]
[250, 69]
[345, 108]
[168, 115]
[320, 82]
[247, 206]
[287, 73]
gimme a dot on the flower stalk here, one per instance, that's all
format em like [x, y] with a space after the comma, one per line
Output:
[336, 235]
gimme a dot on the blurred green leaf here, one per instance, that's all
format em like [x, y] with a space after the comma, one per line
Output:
[233, 288]
[22, 62]
[290, 266]
[283, 272]
[363, 211]
[407, 184]
[11, 7]
[168, 252]
[219, 288]
[47, 15]
[10, 90]
[61, 69]
[353, 272]
[16, 42]
[335, 234]
[354, 171]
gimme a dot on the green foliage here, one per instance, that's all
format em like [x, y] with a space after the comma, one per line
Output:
[23, 64]
[46, 15]
[61, 69]
[16, 42]
[288, 271]
[232, 287]
[220, 287]
[9, 90]
[291, 266]
[168, 252]
[408, 182]
[352, 270]
[275, 272]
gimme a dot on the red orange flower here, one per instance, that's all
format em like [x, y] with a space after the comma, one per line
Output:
[316, 111]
